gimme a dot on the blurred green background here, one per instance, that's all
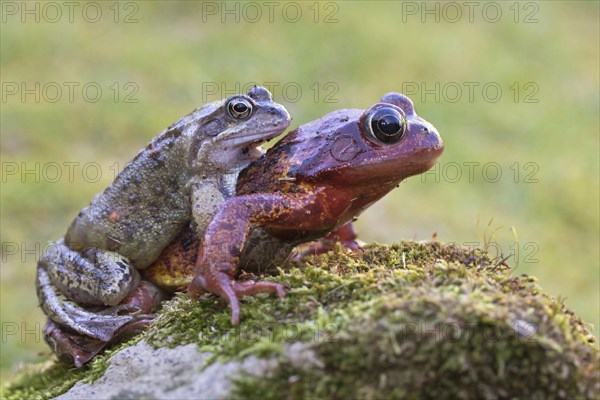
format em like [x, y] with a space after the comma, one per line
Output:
[513, 89]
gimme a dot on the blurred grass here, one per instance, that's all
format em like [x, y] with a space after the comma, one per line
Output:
[375, 47]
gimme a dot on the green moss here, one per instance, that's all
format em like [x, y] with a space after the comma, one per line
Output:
[442, 323]
[412, 320]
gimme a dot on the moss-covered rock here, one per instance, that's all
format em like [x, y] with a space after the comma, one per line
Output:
[412, 320]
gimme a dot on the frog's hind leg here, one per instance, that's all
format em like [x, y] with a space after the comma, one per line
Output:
[68, 313]
[67, 279]
[92, 276]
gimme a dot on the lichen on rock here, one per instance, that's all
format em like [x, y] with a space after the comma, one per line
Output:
[411, 320]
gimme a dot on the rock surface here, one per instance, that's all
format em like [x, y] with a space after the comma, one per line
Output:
[142, 372]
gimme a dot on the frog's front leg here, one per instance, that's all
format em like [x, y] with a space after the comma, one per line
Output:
[345, 235]
[224, 241]
[66, 280]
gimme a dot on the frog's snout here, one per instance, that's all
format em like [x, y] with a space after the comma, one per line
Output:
[427, 135]
[429, 131]
[273, 111]
[433, 138]
[283, 114]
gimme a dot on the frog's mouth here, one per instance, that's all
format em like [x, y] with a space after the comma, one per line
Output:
[255, 141]
[255, 150]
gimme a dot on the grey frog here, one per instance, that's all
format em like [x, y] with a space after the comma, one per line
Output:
[179, 179]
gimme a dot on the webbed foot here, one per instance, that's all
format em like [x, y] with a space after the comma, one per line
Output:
[74, 348]
[231, 290]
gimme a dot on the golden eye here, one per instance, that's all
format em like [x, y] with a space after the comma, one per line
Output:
[239, 108]
[387, 125]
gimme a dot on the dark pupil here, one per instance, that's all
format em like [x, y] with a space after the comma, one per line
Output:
[240, 107]
[389, 124]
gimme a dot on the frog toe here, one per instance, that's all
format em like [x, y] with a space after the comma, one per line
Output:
[231, 290]
[248, 288]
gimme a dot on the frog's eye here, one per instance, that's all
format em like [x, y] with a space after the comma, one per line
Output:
[386, 124]
[239, 108]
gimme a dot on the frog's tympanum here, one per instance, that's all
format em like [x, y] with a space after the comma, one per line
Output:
[89, 283]
[310, 185]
